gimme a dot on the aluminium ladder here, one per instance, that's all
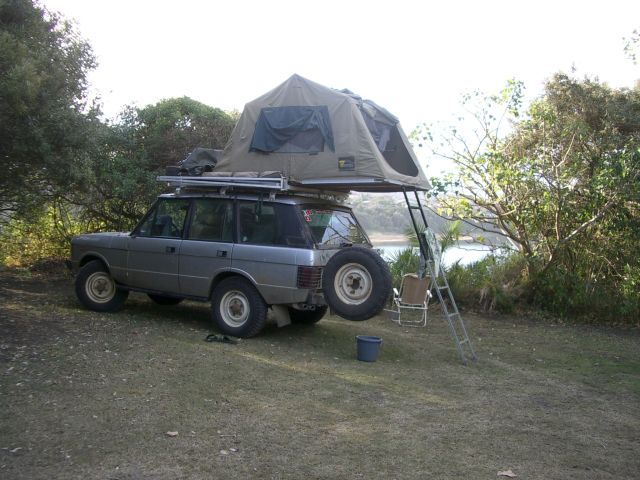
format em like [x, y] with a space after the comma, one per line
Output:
[440, 283]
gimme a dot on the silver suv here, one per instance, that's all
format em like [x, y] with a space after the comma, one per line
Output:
[244, 253]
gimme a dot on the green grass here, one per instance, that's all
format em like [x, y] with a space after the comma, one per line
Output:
[87, 395]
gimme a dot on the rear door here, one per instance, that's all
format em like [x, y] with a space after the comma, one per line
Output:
[271, 244]
[208, 245]
[154, 247]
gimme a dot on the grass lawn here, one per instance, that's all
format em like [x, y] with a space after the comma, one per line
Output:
[92, 396]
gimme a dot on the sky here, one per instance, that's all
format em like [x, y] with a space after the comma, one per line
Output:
[415, 58]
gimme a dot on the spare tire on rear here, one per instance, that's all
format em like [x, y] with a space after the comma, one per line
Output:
[356, 283]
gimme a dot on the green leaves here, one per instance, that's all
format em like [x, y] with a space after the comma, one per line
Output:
[562, 181]
[43, 131]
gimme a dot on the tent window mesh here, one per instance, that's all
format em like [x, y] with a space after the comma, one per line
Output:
[294, 129]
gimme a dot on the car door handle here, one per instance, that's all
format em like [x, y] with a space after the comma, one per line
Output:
[170, 250]
[221, 253]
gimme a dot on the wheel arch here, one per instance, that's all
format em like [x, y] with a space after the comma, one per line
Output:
[228, 274]
[90, 257]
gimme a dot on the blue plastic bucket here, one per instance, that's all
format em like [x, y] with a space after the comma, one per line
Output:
[368, 348]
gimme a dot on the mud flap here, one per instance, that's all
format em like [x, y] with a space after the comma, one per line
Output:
[281, 314]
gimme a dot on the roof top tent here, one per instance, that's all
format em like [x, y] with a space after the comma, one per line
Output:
[317, 137]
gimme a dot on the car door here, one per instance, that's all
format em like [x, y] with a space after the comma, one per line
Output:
[154, 247]
[208, 245]
[268, 249]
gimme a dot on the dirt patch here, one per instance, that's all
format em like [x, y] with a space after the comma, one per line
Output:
[88, 395]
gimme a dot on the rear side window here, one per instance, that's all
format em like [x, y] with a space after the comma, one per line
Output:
[332, 228]
[165, 220]
[212, 220]
[263, 223]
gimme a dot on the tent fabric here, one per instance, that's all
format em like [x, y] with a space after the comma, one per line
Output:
[364, 149]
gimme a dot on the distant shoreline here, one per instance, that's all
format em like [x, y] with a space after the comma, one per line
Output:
[388, 238]
[398, 238]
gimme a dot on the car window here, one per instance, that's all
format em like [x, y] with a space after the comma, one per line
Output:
[333, 228]
[165, 220]
[212, 220]
[264, 223]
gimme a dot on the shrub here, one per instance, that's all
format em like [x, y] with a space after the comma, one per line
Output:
[567, 294]
[402, 262]
[46, 234]
[497, 282]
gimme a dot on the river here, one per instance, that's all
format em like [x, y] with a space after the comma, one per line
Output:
[465, 252]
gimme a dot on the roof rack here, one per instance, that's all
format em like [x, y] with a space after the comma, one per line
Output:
[273, 185]
[265, 183]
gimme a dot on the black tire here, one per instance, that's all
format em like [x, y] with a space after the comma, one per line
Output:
[96, 290]
[356, 283]
[164, 300]
[307, 317]
[238, 308]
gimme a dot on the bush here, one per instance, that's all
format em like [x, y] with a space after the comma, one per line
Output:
[501, 283]
[25, 241]
[567, 294]
[497, 282]
[403, 262]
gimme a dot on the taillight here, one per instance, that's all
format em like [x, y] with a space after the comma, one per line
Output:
[309, 277]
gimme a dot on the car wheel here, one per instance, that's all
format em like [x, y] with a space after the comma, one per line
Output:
[237, 307]
[96, 290]
[307, 316]
[164, 300]
[356, 283]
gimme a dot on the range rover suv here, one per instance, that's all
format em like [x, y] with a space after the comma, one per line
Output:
[244, 253]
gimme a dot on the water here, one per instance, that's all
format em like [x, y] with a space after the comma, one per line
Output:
[465, 252]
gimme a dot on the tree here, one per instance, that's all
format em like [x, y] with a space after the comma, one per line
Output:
[119, 174]
[44, 111]
[170, 129]
[561, 182]
[580, 151]
[631, 45]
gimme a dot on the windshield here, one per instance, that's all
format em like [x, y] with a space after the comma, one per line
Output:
[332, 228]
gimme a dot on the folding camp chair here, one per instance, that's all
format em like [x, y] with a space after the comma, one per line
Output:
[414, 295]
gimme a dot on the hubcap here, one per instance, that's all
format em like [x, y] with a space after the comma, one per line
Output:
[234, 308]
[353, 284]
[100, 287]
